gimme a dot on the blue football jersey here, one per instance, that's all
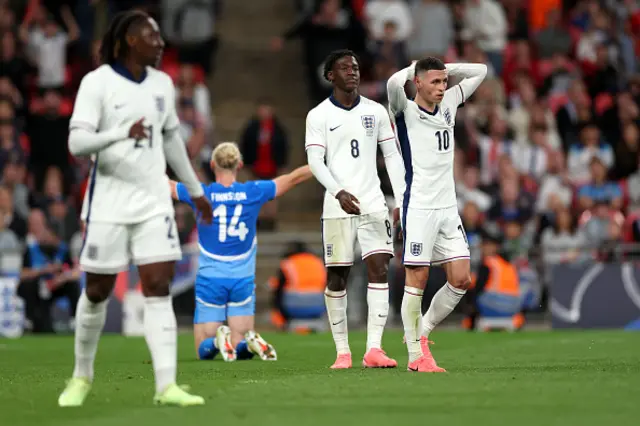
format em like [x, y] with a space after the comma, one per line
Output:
[228, 245]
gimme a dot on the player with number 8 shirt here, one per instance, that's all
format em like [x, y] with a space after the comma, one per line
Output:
[343, 134]
[433, 232]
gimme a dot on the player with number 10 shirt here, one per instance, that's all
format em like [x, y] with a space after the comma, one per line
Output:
[343, 134]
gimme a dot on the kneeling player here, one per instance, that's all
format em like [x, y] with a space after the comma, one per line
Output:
[225, 284]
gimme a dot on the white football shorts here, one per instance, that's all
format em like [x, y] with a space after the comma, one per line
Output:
[109, 248]
[373, 231]
[433, 237]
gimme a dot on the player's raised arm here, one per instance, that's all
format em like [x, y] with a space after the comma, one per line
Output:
[315, 147]
[286, 182]
[395, 88]
[84, 140]
[392, 158]
[472, 76]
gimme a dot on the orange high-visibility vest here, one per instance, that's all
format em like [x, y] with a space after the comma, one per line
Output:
[503, 276]
[304, 273]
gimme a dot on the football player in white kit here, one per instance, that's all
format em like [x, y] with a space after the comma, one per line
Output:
[433, 232]
[342, 139]
[125, 118]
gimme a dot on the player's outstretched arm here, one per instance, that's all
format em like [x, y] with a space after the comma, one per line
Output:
[286, 182]
[472, 76]
[395, 88]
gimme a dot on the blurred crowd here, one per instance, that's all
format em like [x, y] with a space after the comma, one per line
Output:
[46, 47]
[548, 147]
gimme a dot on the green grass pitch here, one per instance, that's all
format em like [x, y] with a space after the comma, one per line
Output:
[534, 378]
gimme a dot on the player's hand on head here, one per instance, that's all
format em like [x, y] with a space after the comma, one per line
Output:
[204, 209]
[138, 131]
[348, 202]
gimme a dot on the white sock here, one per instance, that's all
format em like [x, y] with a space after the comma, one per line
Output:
[411, 314]
[336, 302]
[161, 334]
[378, 301]
[90, 318]
[443, 303]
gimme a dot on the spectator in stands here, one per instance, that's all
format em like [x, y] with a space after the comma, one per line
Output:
[580, 155]
[48, 47]
[49, 131]
[625, 110]
[595, 223]
[10, 221]
[191, 27]
[485, 21]
[467, 191]
[555, 188]
[48, 274]
[573, 114]
[627, 152]
[610, 250]
[633, 183]
[390, 51]
[12, 65]
[11, 92]
[265, 150]
[531, 159]
[517, 243]
[379, 13]
[13, 178]
[512, 204]
[61, 215]
[192, 124]
[433, 33]
[600, 189]
[197, 91]
[562, 243]
[553, 39]
[604, 78]
[331, 28]
[492, 146]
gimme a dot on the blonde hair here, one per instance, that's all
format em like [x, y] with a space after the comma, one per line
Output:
[226, 156]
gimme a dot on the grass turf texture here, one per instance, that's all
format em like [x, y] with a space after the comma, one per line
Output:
[548, 378]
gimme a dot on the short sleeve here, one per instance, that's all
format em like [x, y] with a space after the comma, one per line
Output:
[385, 131]
[88, 105]
[172, 122]
[314, 134]
[584, 191]
[267, 190]
[183, 194]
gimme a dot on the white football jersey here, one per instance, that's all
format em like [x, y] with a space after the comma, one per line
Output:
[350, 137]
[128, 182]
[427, 146]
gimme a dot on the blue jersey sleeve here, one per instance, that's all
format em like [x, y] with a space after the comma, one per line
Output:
[183, 194]
[267, 190]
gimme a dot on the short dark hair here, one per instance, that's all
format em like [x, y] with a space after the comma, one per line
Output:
[114, 44]
[334, 56]
[429, 63]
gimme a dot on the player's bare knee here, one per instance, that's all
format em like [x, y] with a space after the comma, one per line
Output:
[99, 287]
[337, 278]
[155, 287]
[377, 268]
[461, 282]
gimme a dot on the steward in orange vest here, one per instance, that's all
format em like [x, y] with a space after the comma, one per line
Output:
[298, 287]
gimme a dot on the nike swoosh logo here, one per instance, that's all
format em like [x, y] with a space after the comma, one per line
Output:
[423, 117]
[119, 106]
[332, 129]
[381, 316]
[389, 242]
[336, 323]
[412, 369]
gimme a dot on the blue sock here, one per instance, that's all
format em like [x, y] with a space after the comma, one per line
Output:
[207, 349]
[242, 350]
